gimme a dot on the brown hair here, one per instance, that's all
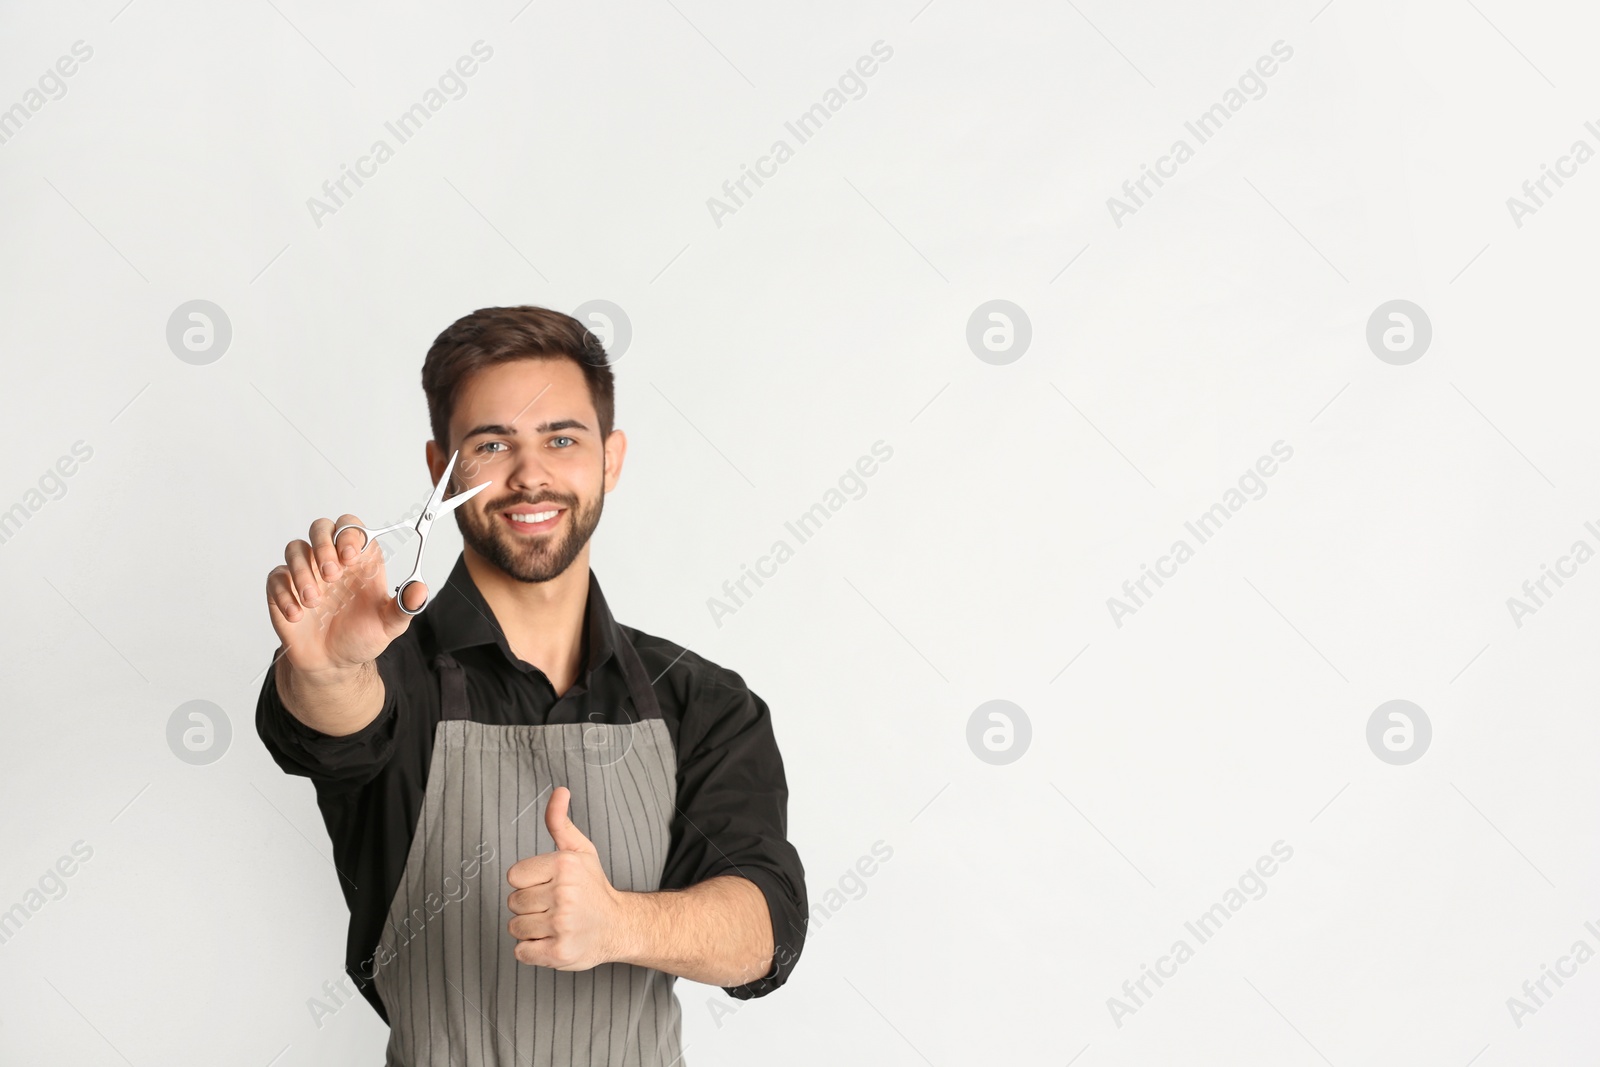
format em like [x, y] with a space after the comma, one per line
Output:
[497, 335]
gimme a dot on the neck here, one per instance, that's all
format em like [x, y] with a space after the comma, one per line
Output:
[542, 621]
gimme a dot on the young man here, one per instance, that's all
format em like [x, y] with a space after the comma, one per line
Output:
[540, 817]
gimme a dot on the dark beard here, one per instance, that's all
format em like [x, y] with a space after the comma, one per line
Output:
[535, 561]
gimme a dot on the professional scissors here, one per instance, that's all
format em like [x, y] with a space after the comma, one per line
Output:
[436, 507]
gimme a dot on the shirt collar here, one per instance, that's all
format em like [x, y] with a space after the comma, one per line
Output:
[461, 618]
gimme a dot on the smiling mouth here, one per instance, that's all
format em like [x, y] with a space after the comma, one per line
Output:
[533, 520]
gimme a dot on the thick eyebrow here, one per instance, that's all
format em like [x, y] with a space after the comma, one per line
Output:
[501, 430]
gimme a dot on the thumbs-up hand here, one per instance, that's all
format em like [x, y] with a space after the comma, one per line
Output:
[565, 914]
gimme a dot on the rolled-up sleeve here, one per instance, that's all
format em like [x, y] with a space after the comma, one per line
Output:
[732, 815]
[353, 759]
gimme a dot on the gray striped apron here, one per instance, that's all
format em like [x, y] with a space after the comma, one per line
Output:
[454, 992]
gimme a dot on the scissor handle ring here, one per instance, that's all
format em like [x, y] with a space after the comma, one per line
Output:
[400, 590]
[365, 534]
[400, 596]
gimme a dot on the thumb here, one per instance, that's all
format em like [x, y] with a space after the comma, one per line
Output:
[563, 831]
[396, 622]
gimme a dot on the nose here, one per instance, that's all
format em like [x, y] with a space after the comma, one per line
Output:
[527, 474]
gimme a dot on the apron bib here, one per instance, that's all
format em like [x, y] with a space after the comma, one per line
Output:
[446, 973]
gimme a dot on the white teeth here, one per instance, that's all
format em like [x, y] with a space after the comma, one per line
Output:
[539, 516]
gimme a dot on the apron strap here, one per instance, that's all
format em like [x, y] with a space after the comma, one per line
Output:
[452, 686]
[639, 687]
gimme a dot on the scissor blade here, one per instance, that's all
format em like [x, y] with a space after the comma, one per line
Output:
[460, 498]
[437, 496]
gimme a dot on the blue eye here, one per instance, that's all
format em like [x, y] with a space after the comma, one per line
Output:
[565, 438]
[486, 444]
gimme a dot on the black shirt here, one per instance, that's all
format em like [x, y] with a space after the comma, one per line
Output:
[732, 800]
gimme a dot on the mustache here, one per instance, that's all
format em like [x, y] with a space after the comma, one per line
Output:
[502, 505]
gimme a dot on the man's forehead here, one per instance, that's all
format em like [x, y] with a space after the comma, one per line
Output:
[530, 396]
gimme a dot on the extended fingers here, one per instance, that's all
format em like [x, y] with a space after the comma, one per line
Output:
[281, 599]
[303, 577]
[349, 543]
[323, 554]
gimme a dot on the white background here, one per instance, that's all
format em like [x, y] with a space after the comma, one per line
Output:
[829, 312]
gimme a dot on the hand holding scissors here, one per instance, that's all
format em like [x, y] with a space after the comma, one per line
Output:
[437, 507]
[334, 618]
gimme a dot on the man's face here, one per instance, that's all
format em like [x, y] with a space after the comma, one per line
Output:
[530, 428]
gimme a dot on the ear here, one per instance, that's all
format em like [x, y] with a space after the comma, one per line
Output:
[436, 458]
[616, 449]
